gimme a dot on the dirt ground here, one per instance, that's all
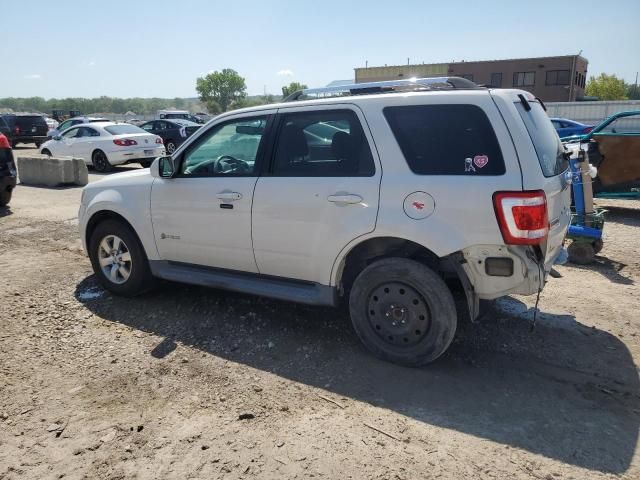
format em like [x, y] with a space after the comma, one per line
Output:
[187, 383]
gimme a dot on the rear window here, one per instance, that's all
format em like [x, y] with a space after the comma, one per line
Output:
[123, 129]
[446, 139]
[29, 120]
[545, 139]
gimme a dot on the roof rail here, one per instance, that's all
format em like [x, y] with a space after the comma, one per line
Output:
[388, 86]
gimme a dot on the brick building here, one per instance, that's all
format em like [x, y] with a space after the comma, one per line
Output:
[553, 79]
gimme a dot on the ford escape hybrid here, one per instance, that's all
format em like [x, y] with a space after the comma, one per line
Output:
[391, 196]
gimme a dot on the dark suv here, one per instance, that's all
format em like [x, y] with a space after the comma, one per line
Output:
[24, 128]
[7, 171]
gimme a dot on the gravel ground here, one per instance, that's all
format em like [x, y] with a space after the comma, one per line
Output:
[186, 382]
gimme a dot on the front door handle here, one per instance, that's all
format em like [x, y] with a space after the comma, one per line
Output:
[345, 198]
[229, 196]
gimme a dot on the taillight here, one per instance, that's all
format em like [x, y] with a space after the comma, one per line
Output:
[17, 130]
[587, 130]
[126, 142]
[159, 141]
[4, 143]
[522, 216]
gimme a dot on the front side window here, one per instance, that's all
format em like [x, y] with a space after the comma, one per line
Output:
[87, 132]
[446, 139]
[64, 125]
[72, 133]
[227, 149]
[524, 79]
[322, 144]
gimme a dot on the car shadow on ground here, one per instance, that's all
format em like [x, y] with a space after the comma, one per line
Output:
[564, 390]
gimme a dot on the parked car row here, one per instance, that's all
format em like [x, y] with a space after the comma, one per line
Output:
[24, 128]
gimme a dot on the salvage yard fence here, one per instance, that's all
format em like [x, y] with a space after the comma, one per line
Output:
[590, 113]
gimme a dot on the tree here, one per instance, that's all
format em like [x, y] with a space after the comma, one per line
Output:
[606, 87]
[220, 89]
[292, 88]
[633, 91]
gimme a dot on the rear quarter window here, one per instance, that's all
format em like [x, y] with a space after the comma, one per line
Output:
[446, 139]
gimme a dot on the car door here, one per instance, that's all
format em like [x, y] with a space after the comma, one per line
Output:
[85, 141]
[65, 145]
[202, 215]
[319, 193]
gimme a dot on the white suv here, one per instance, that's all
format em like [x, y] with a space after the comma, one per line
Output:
[391, 196]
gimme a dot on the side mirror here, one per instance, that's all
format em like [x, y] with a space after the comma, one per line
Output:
[57, 138]
[162, 167]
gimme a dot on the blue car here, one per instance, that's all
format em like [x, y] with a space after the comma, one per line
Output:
[568, 128]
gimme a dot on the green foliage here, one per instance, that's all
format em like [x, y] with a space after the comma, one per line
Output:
[292, 88]
[141, 106]
[633, 91]
[606, 87]
[221, 89]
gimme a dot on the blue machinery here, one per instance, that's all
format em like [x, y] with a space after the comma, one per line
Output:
[587, 222]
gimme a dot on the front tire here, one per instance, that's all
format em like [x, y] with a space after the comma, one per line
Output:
[101, 162]
[403, 312]
[46, 152]
[118, 259]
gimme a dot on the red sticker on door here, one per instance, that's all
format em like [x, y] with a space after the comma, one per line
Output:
[480, 160]
[418, 205]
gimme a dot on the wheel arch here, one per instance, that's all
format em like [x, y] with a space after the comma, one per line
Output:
[364, 253]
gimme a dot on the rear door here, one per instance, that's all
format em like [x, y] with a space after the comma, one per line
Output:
[320, 192]
[543, 162]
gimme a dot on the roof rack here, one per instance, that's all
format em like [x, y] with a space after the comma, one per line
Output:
[389, 86]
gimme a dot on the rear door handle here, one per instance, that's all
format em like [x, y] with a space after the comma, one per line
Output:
[346, 198]
[229, 196]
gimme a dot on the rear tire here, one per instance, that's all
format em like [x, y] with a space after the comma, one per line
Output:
[101, 162]
[125, 273]
[46, 152]
[403, 312]
[145, 163]
[171, 147]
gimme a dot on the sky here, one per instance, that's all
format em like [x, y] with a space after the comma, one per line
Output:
[143, 48]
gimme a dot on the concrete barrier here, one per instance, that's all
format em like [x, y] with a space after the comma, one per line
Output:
[51, 171]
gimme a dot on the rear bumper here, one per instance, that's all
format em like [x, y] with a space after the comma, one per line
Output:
[126, 156]
[526, 279]
[29, 138]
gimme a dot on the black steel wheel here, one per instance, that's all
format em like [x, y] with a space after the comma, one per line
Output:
[101, 162]
[402, 311]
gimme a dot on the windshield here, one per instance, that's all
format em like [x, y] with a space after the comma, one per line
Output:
[545, 139]
[123, 129]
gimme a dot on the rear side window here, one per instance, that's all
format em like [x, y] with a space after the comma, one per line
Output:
[327, 143]
[545, 139]
[446, 139]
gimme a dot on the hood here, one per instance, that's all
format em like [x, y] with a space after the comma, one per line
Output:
[139, 176]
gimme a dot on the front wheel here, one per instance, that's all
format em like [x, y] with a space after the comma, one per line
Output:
[46, 152]
[101, 162]
[403, 312]
[118, 259]
[171, 147]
